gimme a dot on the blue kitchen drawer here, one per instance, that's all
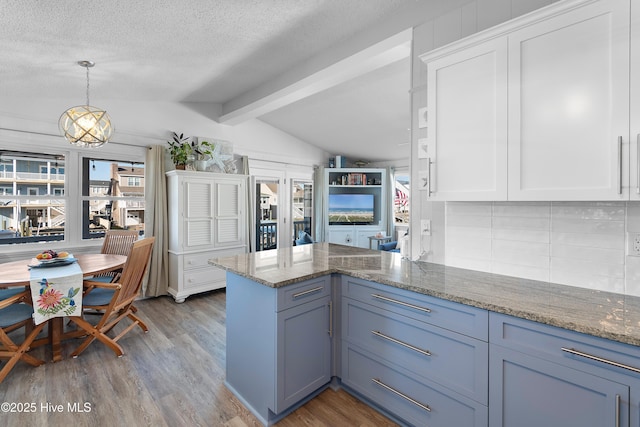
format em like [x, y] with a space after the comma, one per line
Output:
[303, 292]
[580, 352]
[435, 354]
[396, 390]
[456, 317]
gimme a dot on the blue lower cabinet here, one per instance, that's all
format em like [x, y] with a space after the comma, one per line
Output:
[277, 358]
[304, 351]
[527, 391]
[397, 391]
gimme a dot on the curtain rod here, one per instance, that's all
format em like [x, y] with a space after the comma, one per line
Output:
[60, 136]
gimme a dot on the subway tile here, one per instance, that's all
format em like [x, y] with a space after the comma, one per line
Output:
[521, 253]
[607, 241]
[492, 12]
[569, 225]
[585, 253]
[537, 236]
[469, 264]
[520, 7]
[447, 28]
[632, 276]
[633, 217]
[526, 272]
[468, 221]
[522, 209]
[521, 223]
[460, 233]
[468, 17]
[470, 248]
[587, 268]
[584, 278]
[468, 208]
[596, 211]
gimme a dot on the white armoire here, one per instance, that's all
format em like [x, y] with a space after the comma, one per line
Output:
[207, 219]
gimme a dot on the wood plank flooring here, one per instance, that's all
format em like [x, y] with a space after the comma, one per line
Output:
[171, 376]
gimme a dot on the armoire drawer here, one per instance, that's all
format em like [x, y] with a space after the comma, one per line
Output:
[197, 278]
[402, 394]
[435, 354]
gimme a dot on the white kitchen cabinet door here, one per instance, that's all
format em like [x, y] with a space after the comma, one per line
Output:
[467, 124]
[635, 103]
[569, 106]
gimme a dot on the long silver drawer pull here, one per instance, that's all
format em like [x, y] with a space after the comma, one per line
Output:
[617, 410]
[402, 343]
[406, 304]
[619, 165]
[310, 291]
[402, 395]
[600, 359]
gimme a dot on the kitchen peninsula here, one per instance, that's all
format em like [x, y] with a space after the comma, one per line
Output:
[425, 343]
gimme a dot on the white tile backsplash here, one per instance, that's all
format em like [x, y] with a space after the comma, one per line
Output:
[572, 243]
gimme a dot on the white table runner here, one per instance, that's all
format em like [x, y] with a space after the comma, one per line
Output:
[56, 292]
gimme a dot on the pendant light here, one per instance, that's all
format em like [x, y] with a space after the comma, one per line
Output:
[84, 125]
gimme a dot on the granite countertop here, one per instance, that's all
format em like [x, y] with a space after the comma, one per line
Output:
[602, 314]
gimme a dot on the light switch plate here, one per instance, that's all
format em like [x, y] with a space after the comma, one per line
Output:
[425, 227]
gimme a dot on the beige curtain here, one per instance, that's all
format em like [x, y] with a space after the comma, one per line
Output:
[156, 222]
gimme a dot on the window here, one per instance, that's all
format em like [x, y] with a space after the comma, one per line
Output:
[28, 212]
[113, 196]
[401, 200]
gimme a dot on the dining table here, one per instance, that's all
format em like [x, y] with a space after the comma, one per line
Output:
[17, 273]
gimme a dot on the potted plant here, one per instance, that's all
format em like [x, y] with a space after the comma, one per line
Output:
[204, 151]
[180, 149]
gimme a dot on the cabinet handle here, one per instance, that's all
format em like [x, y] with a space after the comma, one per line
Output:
[600, 359]
[406, 304]
[402, 395]
[617, 410]
[402, 343]
[429, 186]
[638, 163]
[310, 291]
[619, 165]
[330, 319]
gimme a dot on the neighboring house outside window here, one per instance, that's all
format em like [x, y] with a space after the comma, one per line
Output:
[32, 206]
[113, 196]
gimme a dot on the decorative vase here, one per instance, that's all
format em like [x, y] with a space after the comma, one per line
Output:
[180, 167]
[201, 165]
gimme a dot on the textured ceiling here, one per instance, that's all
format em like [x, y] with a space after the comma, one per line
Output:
[207, 51]
[186, 50]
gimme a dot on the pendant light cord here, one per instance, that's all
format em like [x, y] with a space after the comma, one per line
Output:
[87, 85]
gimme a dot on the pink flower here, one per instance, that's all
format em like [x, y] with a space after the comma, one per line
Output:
[49, 298]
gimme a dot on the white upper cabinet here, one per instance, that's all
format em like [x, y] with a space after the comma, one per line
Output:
[551, 122]
[569, 106]
[634, 140]
[467, 123]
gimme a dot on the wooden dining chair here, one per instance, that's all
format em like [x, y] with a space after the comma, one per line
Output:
[116, 242]
[14, 314]
[114, 301]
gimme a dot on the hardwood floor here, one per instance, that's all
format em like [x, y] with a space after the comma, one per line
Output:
[172, 376]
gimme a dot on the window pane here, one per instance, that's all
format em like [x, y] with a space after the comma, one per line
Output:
[39, 217]
[114, 194]
[401, 200]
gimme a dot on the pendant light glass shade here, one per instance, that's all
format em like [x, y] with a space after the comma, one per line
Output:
[84, 125]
